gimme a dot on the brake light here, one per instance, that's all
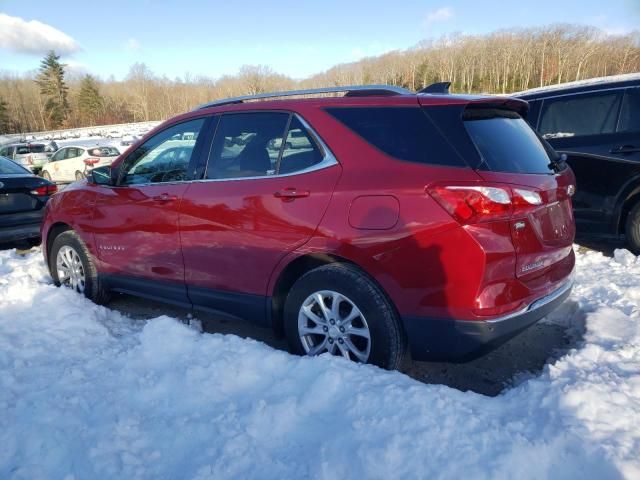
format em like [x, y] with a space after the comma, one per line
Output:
[91, 161]
[45, 190]
[470, 204]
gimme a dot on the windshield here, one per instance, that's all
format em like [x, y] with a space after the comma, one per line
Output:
[506, 143]
[8, 167]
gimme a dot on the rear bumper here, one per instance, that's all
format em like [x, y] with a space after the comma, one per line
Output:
[19, 233]
[463, 340]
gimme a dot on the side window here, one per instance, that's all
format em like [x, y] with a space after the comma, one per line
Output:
[580, 115]
[71, 153]
[3, 152]
[300, 151]
[164, 157]
[405, 133]
[630, 113]
[247, 145]
[59, 155]
[23, 151]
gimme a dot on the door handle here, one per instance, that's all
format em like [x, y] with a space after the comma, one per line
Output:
[625, 149]
[165, 197]
[291, 193]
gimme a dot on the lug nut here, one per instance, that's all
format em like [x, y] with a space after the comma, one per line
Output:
[332, 321]
[340, 340]
[325, 329]
[342, 329]
[331, 340]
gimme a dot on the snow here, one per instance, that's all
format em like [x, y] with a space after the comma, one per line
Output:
[625, 77]
[86, 392]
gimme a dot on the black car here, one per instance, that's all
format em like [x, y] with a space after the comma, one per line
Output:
[596, 123]
[22, 200]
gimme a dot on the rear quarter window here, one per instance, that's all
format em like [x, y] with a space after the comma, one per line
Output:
[506, 142]
[405, 133]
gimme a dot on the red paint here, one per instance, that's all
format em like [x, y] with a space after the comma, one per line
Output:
[239, 235]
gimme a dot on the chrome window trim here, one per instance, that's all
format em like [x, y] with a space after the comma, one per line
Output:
[328, 159]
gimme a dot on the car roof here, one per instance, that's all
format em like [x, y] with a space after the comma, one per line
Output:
[599, 83]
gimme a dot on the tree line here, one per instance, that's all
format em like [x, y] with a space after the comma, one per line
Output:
[501, 62]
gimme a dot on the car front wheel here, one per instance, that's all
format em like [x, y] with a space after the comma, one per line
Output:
[71, 266]
[338, 309]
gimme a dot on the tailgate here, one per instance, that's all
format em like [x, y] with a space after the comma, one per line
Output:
[542, 235]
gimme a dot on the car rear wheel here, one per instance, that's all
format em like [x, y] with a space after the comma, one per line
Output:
[632, 229]
[71, 266]
[79, 175]
[338, 309]
[46, 175]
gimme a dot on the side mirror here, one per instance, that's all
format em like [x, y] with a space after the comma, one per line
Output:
[101, 176]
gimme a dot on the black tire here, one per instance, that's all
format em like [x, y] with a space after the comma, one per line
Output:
[388, 344]
[79, 175]
[94, 288]
[632, 229]
[46, 175]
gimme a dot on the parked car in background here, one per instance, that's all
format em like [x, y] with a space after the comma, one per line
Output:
[31, 156]
[399, 220]
[128, 140]
[596, 123]
[22, 199]
[75, 162]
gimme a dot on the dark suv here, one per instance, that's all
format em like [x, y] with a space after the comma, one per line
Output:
[354, 224]
[596, 123]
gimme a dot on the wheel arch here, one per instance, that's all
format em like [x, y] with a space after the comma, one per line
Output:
[296, 268]
[55, 230]
[626, 203]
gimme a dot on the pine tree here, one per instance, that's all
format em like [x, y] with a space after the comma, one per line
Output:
[50, 79]
[4, 117]
[90, 102]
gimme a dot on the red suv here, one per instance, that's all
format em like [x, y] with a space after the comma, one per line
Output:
[366, 225]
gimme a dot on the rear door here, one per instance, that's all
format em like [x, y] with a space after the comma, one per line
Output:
[584, 127]
[261, 197]
[542, 227]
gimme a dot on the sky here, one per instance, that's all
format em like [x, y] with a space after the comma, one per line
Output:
[296, 38]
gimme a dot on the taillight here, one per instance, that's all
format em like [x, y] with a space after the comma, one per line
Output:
[91, 161]
[44, 190]
[479, 203]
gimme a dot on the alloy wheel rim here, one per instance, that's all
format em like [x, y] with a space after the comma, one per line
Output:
[330, 322]
[70, 269]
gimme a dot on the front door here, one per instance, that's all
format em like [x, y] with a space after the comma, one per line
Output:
[136, 222]
[264, 193]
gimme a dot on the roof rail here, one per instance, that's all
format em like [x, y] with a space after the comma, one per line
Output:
[349, 91]
[440, 87]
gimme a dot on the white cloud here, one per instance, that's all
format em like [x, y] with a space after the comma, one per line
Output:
[132, 45]
[23, 36]
[440, 15]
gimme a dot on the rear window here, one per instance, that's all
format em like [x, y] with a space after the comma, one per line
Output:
[505, 142]
[405, 133]
[7, 167]
[37, 148]
[104, 152]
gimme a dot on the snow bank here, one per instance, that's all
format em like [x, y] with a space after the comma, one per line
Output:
[88, 393]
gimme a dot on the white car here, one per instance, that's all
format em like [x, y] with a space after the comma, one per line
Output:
[74, 163]
[31, 156]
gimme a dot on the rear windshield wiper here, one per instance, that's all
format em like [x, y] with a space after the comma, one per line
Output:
[558, 163]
